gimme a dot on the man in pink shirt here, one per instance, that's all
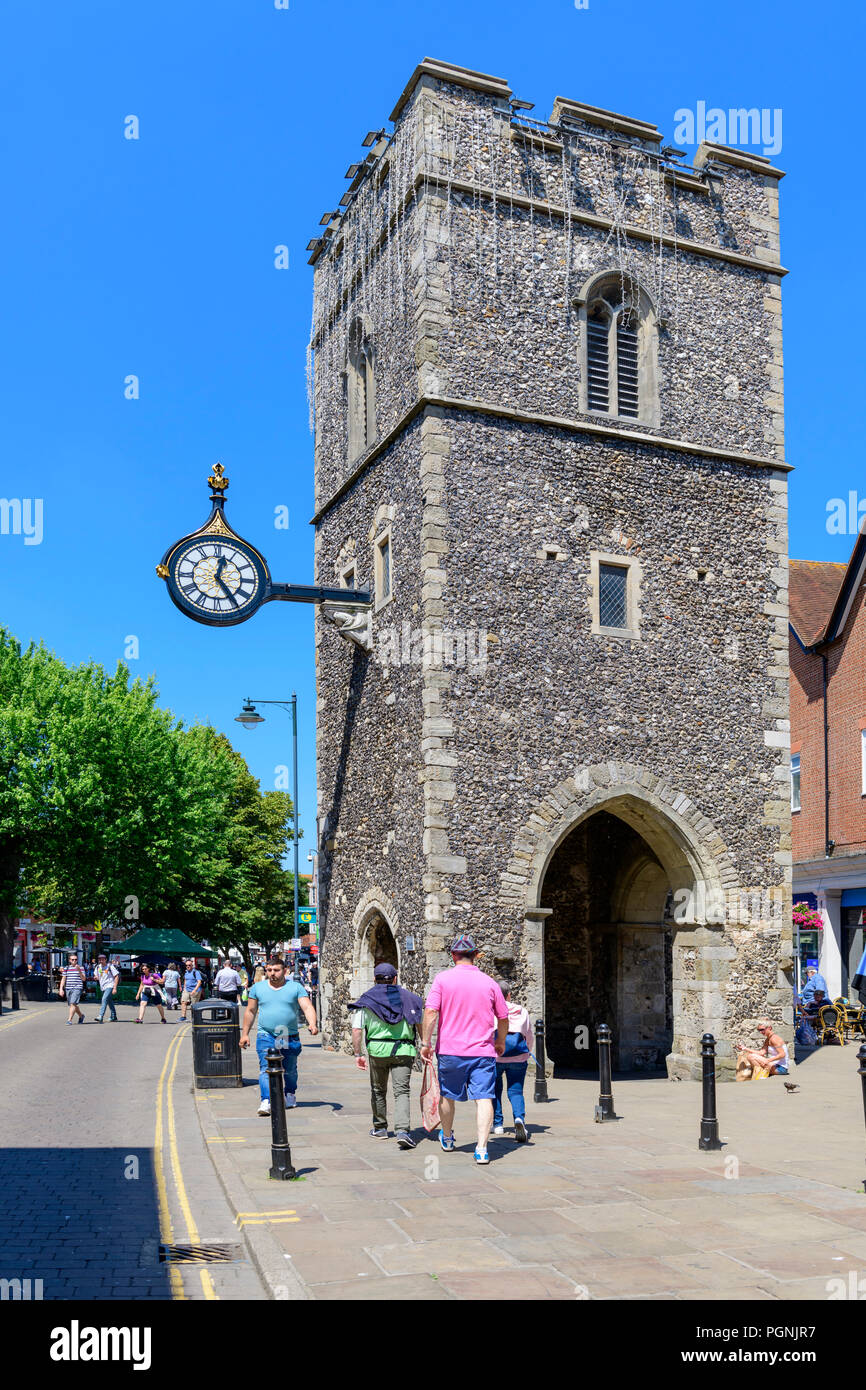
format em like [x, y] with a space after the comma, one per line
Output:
[470, 1009]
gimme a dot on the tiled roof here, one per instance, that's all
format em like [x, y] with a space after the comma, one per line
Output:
[813, 589]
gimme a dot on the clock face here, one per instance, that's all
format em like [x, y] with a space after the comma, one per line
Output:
[218, 580]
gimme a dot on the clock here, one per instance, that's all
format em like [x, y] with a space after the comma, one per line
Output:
[216, 577]
[213, 575]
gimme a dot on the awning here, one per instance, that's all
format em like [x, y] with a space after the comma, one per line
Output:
[156, 941]
[854, 897]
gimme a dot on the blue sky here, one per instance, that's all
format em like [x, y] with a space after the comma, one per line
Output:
[155, 257]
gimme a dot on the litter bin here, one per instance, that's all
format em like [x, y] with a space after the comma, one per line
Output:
[216, 1047]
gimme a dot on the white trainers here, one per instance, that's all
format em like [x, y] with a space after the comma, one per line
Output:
[498, 1130]
[265, 1108]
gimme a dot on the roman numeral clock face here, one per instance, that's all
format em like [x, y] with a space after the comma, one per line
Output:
[215, 580]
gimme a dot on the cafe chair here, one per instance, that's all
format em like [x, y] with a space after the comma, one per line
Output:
[830, 1023]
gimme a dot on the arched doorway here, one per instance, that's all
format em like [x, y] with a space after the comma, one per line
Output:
[377, 944]
[608, 945]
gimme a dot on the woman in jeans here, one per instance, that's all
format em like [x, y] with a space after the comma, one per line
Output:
[150, 982]
[171, 981]
[511, 1067]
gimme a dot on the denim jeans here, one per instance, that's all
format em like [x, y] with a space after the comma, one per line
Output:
[108, 1003]
[514, 1074]
[264, 1043]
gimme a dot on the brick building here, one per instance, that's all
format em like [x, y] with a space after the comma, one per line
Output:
[546, 377]
[828, 781]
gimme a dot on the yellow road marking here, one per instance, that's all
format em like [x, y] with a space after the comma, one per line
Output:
[22, 1018]
[165, 1228]
[226, 1141]
[268, 1221]
[287, 1211]
[210, 1292]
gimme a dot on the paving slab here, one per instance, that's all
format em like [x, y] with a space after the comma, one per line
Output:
[584, 1211]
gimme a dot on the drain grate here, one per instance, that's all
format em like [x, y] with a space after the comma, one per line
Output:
[198, 1254]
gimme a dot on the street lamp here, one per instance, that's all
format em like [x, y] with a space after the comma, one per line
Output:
[250, 717]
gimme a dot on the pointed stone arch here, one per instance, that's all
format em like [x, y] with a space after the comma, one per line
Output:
[375, 911]
[684, 841]
[675, 849]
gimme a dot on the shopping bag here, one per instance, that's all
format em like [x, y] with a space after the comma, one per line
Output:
[429, 1097]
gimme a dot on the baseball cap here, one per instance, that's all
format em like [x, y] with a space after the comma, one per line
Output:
[463, 943]
[384, 971]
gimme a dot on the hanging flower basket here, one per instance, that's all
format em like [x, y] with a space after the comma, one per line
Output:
[807, 918]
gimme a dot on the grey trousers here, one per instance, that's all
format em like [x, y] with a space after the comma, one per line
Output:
[400, 1071]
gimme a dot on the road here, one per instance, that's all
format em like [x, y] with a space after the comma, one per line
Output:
[103, 1161]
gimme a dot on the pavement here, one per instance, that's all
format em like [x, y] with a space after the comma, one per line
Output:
[627, 1209]
[103, 1161]
[110, 1153]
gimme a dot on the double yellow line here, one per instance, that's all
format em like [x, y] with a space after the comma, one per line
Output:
[164, 1092]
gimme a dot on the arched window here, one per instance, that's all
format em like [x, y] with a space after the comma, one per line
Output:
[360, 389]
[620, 350]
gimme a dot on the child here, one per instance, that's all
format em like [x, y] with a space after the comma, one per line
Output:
[511, 1066]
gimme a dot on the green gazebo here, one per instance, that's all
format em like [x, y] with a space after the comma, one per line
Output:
[157, 941]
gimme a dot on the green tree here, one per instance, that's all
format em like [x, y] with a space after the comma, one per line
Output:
[239, 891]
[105, 801]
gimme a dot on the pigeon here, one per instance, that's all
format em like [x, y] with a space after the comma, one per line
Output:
[791, 1087]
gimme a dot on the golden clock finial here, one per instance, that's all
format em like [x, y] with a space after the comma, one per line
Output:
[217, 479]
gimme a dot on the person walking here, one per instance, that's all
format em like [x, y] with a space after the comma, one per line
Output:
[472, 1019]
[107, 978]
[275, 1001]
[192, 987]
[227, 982]
[171, 984]
[149, 985]
[73, 981]
[386, 1018]
[511, 1067]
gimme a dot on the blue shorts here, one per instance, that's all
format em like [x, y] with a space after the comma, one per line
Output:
[467, 1078]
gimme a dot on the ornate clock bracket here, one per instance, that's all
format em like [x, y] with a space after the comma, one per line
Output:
[349, 610]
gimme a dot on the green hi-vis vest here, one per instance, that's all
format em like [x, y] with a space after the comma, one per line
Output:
[388, 1039]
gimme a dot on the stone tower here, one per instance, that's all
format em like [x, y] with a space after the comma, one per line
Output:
[546, 375]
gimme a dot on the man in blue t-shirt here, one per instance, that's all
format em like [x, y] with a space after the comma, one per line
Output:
[192, 987]
[276, 1001]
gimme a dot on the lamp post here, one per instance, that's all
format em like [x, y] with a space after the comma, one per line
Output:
[250, 717]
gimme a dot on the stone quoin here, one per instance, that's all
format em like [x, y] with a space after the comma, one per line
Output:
[546, 386]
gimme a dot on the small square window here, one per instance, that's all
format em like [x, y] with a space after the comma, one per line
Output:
[795, 782]
[348, 577]
[612, 596]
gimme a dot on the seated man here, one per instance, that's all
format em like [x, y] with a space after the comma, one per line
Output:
[813, 1004]
[771, 1057]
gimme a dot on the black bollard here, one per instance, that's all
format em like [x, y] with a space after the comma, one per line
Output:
[281, 1154]
[709, 1124]
[604, 1110]
[16, 1002]
[861, 1071]
[540, 1095]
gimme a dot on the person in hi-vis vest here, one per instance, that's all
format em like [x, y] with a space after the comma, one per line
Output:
[385, 1019]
